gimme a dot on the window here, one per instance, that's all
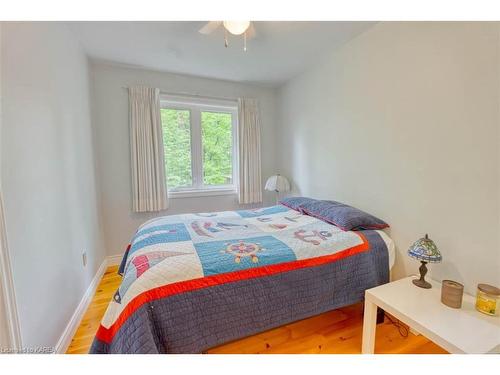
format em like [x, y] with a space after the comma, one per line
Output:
[199, 138]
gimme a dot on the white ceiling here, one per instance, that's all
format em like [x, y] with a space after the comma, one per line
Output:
[280, 50]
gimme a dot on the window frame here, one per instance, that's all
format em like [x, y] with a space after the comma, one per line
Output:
[196, 106]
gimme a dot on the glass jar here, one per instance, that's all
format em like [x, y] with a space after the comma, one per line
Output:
[488, 299]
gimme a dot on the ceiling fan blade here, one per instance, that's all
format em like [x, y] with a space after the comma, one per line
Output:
[210, 27]
[251, 33]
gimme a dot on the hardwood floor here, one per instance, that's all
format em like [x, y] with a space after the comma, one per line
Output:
[337, 331]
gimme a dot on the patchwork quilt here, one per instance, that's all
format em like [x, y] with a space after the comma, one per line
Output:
[193, 281]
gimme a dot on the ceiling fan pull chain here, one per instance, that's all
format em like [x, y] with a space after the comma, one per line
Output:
[245, 41]
[225, 38]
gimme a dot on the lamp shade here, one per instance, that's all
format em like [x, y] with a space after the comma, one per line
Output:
[277, 183]
[425, 250]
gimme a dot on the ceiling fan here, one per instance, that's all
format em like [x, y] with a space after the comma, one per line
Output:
[234, 27]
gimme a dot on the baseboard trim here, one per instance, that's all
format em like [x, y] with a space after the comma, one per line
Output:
[70, 330]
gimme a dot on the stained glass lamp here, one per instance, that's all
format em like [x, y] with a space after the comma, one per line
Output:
[426, 251]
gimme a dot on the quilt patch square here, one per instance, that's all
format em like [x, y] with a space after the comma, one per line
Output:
[216, 229]
[159, 234]
[263, 211]
[318, 239]
[280, 221]
[218, 215]
[236, 255]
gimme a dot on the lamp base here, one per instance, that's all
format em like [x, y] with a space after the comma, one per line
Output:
[421, 282]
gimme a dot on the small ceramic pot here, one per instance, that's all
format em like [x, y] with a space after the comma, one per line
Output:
[452, 293]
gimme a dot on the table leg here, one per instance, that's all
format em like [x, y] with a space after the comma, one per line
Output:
[369, 328]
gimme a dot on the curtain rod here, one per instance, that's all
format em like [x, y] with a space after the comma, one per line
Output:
[192, 95]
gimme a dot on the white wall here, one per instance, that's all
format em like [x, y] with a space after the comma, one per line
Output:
[403, 122]
[4, 329]
[47, 175]
[111, 129]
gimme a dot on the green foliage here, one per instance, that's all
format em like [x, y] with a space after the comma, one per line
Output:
[217, 148]
[216, 131]
[177, 147]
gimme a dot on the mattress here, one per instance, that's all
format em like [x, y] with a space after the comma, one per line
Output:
[391, 247]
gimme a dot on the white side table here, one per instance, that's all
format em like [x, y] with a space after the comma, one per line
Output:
[462, 330]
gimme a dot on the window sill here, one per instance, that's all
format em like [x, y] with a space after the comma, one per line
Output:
[200, 193]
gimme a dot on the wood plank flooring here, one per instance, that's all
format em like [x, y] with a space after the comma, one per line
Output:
[337, 331]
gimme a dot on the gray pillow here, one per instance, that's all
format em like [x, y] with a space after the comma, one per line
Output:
[296, 202]
[342, 215]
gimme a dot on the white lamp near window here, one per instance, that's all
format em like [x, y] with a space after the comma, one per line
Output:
[279, 184]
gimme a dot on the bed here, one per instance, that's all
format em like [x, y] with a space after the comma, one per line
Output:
[195, 281]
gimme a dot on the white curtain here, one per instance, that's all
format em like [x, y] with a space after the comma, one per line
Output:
[146, 144]
[250, 185]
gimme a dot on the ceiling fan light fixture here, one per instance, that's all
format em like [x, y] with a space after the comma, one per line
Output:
[236, 27]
